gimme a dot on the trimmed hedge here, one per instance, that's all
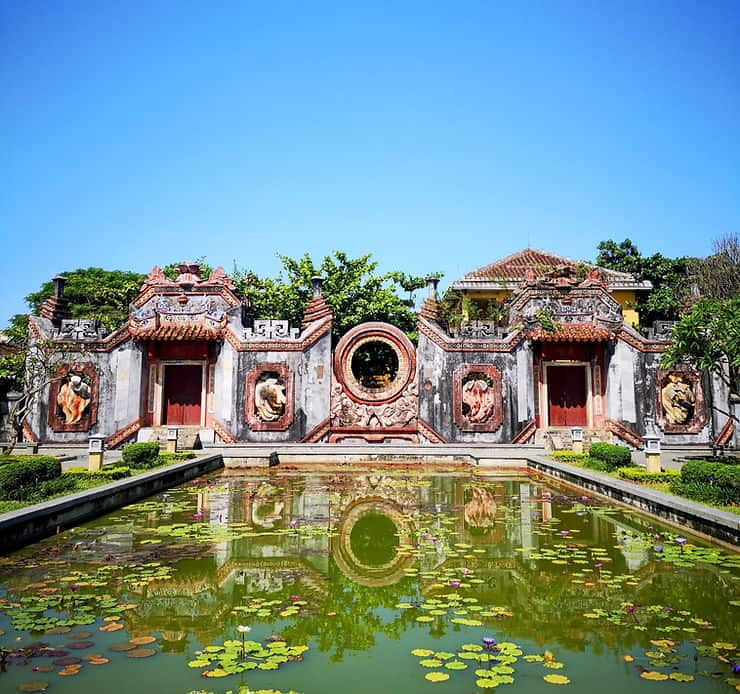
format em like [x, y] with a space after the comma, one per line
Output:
[639, 474]
[569, 456]
[715, 483]
[169, 458]
[141, 455]
[612, 456]
[595, 464]
[19, 480]
[111, 473]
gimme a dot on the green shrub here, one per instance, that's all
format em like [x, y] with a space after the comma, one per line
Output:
[595, 464]
[55, 487]
[169, 458]
[19, 479]
[569, 456]
[715, 483]
[141, 455]
[639, 474]
[613, 456]
[107, 473]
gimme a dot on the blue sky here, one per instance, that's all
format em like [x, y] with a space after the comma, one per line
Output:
[437, 135]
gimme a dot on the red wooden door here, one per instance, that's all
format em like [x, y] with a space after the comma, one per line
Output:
[566, 390]
[182, 393]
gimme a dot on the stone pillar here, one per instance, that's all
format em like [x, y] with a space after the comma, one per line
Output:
[172, 439]
[576, 434]
[96, 446]
[652, 453]
[316, 282]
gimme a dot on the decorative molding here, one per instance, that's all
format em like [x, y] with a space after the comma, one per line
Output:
[285, 381]
[725, 435]
[679, 395]
[429, 433]
[338, 434]
[223, 433]
[81, 400]
[308, 338]
[478, 405]
[436, 334]
[526, 433]
[318, 432]
[640, 343]
[124, 433]
[625, 433]
[267, 330]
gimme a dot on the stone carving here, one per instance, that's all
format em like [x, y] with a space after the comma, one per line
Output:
[79, 329]
[271, 330]
[269, 399]
[346, 412]
[478, 399]
[73, 398]
[678, 399]
[477, 329]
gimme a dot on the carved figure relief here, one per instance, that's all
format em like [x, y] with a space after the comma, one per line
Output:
[345, 412]
[478, 404]
[269, 397]
[73, 398]
[680, 400]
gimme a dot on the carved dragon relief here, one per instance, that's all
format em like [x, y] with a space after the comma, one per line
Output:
[402, 412]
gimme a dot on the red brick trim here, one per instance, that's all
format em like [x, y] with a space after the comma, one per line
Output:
[624, 433]
[286, 376]
[430, 434]
[526, 433]
[699, 417]
[641, 344]
[318, 432]
[495, 419]
[89, 373]
[124, 433]
[725, 435]
[223, 433]
[449, 344]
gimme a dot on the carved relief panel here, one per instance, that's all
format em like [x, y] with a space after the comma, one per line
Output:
[680, 400]
[73, 398]
[270, 401]
[477, 397]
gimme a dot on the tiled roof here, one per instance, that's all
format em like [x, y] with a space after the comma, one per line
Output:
[512, 269]
[582, 332]
[194, 331]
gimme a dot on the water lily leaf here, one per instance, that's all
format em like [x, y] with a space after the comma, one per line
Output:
[199, 663]
[144, 640]
[436, 676]
[553, 665]
[681, 677]
[486, 683]
[722, 646]
[430, 662]
[652, 675]
[471, 647]
[533, 658]
[456, 665]
[424, 618]
[556, 679]
[268, 666]
[141, 653]
[34, 686]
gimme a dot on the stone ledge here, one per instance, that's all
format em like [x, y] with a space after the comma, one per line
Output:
[26, 525]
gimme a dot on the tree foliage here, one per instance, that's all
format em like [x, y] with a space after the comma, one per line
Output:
[352, 287]
[668, 277]
[718, 276]
[708, 338]
[94, 293]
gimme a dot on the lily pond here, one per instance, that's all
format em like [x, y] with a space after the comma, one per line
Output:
[384, 580]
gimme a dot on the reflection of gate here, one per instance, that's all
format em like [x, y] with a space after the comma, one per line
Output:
[182, 393]
[567, 395]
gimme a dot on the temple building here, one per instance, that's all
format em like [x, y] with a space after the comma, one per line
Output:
[564, 351]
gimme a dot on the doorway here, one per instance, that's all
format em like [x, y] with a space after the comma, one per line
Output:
[567, 396]
[183, 386]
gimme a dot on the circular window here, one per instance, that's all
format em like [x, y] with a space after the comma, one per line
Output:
[374, 365]
[374, 362]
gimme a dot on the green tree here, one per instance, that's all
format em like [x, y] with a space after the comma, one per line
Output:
[94, 293]
[172, 270]
[667, 275]
[718, 276]
[352, 287]
[708, 338]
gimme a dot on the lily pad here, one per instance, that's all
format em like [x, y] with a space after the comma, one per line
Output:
[436, 676]
[556, 679]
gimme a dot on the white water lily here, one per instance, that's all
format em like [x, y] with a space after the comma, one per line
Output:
[243, 629]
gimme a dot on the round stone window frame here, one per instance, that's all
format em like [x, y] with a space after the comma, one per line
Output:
[362, 335]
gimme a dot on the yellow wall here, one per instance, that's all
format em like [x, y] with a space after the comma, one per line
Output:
[628, 302]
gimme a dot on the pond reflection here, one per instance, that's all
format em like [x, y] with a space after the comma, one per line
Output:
[382, 562]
